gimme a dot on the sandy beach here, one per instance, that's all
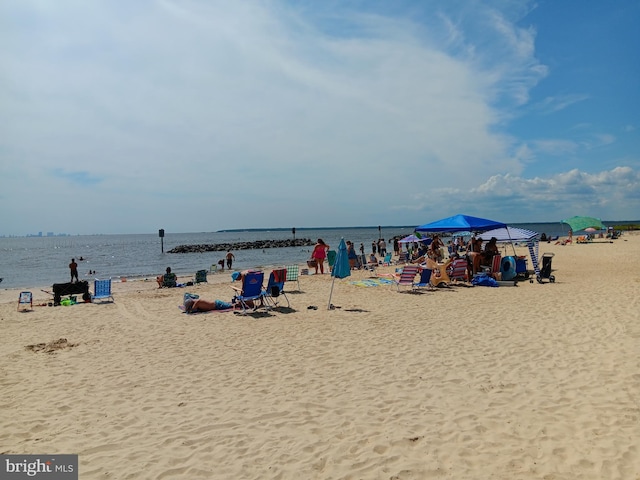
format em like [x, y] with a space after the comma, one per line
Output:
[527, 382]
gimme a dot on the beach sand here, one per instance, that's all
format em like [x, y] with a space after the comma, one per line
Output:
[532, 382]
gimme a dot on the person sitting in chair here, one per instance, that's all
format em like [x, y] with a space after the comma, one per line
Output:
[490, 250]
[239, 276]
[169, 279]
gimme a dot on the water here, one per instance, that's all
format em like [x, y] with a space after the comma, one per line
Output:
[43, 261]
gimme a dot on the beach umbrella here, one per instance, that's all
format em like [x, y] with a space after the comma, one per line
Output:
[413, 239]
[578, 223]
[460, 223]
[341, 268]
[509, 234]
[590, 229]
[514, 234]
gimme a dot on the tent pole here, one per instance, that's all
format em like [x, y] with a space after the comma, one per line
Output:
[331, 293]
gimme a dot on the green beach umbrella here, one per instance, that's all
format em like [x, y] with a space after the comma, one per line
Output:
[578, 223]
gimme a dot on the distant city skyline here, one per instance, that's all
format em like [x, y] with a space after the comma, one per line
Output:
[48, 234]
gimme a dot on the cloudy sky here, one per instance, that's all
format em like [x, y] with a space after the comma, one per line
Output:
[200, 115]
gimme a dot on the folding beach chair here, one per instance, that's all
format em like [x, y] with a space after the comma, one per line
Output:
[101, 290]
[492, 270]
[251, 290]
[293, 273]
[406, 277]
[331, 258]
[25, 298]
[201, 277]
[275, 287]
[458, 269]
[425, 279]
[169, 280]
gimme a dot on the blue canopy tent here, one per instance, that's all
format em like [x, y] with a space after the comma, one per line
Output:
[466, 223]
[460, 223]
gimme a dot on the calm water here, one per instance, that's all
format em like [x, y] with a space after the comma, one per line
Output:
[43, 261]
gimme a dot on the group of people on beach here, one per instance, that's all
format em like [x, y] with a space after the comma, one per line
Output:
[477, 253]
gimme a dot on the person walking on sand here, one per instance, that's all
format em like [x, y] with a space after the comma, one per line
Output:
[382, 247]
[230, 258]
[319, 254]
[73, 267]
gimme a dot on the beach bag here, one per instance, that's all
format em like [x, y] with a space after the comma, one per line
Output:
[188, 296]
[311, 263]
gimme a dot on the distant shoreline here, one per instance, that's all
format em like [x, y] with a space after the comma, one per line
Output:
[626, 225]
[299, 229]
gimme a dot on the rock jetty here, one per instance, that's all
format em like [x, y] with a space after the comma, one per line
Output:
[223, 247]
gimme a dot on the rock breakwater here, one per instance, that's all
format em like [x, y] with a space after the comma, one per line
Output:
[223, 247]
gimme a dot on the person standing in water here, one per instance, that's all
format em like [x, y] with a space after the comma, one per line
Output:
[230, 258]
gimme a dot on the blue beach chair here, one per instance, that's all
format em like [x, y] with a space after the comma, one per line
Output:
[251, 290]
[102, 290]
[275, 287]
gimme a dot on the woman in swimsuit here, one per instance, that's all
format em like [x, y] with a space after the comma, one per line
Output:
[319, 254]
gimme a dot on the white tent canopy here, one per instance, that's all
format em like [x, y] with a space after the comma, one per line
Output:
[509, 234]
[414, 239]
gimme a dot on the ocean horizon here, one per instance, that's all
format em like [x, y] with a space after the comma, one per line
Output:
[41, 261]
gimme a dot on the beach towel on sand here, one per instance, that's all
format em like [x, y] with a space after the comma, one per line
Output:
[372, 282]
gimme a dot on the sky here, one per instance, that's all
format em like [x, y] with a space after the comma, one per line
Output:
[202, 115]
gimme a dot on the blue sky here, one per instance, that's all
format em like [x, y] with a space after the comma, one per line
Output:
[200, 115]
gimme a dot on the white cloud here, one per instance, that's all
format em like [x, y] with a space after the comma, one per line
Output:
[201, 115]
[613, 194]
[560, 102]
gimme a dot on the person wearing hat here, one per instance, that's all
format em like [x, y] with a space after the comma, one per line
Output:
[235, 276]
